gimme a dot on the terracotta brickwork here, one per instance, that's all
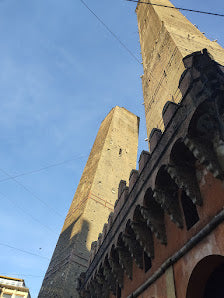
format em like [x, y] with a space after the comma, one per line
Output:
[112, 157]
[166, 37]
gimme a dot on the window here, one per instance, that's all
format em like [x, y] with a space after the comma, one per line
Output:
[7, 296]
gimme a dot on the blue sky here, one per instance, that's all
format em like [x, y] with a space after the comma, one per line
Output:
[60, 74]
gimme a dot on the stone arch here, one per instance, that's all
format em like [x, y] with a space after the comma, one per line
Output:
[206, 280]
[117, 270]
[155, 212]
[182, 168]
[109, 276]
[164, 180]
[137, 216]
[206, 135]
[180, 155]
[141, 225]
[153, 215]
[166, 194]
[203, 122]
[133, 245]
[124, 255]
[148, 198]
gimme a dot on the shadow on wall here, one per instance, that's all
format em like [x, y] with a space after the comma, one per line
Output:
[69, 260]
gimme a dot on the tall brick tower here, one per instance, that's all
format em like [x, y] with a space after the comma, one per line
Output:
[166, 36]
[112, 157]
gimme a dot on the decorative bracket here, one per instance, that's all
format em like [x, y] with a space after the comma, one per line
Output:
[171, 205]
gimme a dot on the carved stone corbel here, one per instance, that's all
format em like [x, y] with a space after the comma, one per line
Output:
[185, 178]
[135, 248]
[125, 260]
[109, 277]
[144, 236]
[170, 204]
[155, 221]
[205, 155]
[117, 270]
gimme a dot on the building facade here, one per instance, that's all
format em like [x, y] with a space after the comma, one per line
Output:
[11, 287]
[165, 237]
[112, 157]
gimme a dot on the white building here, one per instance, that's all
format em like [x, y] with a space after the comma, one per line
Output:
[11, 287]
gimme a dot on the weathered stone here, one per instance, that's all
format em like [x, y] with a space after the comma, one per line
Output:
[141, 230]
[143, 159]
[93, 201]
[168, 111]
[166, 38]
[133, 178]
[154, 138]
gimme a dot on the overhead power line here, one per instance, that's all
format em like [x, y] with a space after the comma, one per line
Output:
[111, 32]
[44, 168]
[178, 8]
[120, 42]
[24, 251]
[30, 192]
[27, 213]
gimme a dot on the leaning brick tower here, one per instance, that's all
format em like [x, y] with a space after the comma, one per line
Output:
[166, 37]
[112, 157]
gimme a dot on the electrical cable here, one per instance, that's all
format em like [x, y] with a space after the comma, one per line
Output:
[27, 213]
[119, 40]
[178, 8]
[24, 251]
[42, 169]
[33, 194]
[111, 32]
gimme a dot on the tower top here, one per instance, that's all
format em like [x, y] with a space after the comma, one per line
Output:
[166, 37]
